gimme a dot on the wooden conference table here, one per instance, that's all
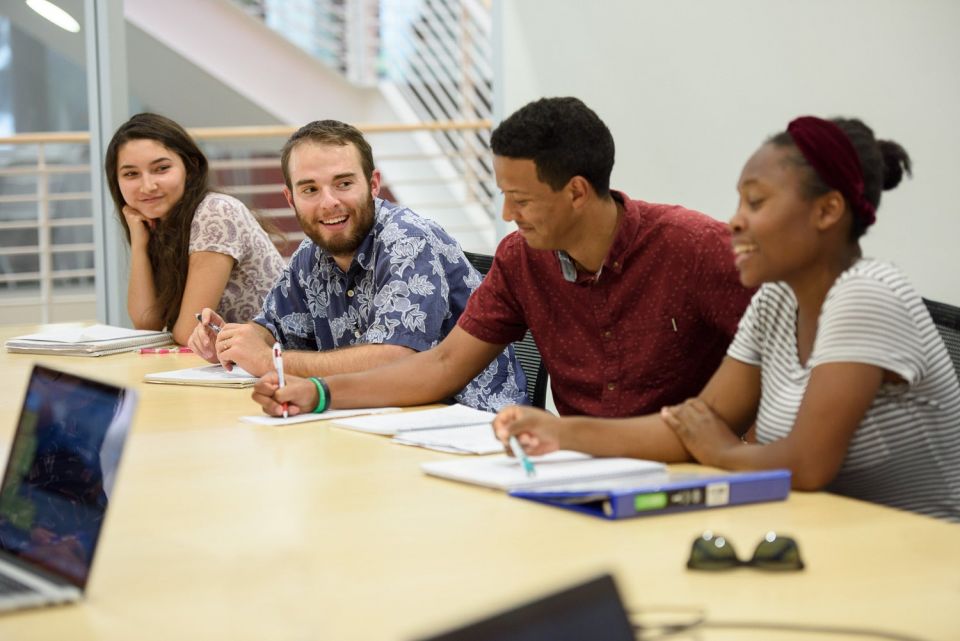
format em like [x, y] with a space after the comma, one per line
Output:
[225, 530]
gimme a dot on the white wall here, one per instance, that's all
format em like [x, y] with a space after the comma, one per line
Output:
[690, 88]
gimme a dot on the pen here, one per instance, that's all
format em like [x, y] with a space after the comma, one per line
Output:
[213, 326]
[517, 450]
[278, 364]
[166, 350]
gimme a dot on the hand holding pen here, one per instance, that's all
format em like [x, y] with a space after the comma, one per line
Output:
[213, 325]
[517, 450]
[203, 339]
[537, 432]
[278, 365]
[299, 395]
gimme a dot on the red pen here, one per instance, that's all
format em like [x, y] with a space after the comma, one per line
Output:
[166, 350]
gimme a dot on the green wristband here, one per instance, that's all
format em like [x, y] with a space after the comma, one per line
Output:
[323, 397]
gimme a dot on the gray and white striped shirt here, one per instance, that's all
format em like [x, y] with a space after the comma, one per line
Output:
[906, 451]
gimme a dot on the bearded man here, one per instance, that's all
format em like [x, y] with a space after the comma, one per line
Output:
[372, 282]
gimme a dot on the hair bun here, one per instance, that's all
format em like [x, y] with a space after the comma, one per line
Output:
[896, 161]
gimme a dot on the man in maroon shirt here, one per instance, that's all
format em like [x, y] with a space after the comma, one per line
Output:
[632, 305]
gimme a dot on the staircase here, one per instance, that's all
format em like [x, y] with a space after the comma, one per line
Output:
[360, 62]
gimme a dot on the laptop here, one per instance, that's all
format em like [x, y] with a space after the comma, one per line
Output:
[590, 610]
[57, 486]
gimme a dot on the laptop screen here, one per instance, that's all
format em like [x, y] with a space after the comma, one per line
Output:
[61, 470]
[591, 610]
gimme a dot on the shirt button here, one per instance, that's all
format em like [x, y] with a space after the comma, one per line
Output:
[607, 334]
[356, 333]
[350, 293]
[611, 386]
[616, 264]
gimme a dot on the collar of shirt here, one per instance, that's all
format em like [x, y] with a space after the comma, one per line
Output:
[626, 230]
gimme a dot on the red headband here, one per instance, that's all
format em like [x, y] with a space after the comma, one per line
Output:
[831, 154]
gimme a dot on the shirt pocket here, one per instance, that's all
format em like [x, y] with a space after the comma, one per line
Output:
[651, 352]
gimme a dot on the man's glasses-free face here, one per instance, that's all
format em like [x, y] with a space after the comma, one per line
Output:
[714, 552]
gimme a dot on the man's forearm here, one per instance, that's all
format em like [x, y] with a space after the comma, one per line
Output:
[424, 377]
[417, 379]
[345, 360]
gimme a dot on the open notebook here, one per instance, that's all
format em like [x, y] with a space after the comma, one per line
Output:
[206, 376]
[95, 340]
[556, 470]
[469, 439]
[443, 417]
[457, 429]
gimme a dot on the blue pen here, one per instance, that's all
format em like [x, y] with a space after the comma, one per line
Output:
[517, 450]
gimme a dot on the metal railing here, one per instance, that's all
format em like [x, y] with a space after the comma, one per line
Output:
[46, 218]
[440, 61]
[435, 53]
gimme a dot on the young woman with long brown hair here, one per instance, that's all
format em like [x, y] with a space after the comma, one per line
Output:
[190, 247]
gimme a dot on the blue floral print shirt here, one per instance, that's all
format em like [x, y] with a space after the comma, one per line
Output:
[407, 285]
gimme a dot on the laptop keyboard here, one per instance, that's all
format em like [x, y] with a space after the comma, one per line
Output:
[12, 586]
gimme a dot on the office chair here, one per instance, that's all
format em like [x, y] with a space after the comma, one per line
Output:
[947, 319]
[526, 349]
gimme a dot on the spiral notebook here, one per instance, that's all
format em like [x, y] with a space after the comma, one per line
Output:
[95, 340]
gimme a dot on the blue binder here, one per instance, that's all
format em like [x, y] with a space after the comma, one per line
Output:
[668, 493]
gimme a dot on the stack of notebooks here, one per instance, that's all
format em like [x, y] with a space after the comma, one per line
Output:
[615, 488]
[96, 340]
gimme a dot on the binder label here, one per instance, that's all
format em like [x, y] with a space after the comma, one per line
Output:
[646, 502]
[717, 494]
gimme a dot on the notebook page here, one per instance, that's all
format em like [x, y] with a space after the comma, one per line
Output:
[554, 469]
[212, 375]
[451, 416]
[469, 439]
[93, 333]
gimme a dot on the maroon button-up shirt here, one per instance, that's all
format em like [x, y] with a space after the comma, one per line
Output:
[649, 331]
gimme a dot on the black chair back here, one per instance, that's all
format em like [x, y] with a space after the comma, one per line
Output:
[526, 349]
[947, 319]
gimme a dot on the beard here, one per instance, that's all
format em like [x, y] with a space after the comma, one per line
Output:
[345, 243]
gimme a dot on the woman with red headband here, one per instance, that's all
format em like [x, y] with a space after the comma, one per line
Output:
[836, 364]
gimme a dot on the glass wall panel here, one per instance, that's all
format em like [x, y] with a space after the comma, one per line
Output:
[44, 166]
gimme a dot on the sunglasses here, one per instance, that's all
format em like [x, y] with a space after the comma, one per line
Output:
[714, 552]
